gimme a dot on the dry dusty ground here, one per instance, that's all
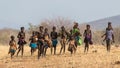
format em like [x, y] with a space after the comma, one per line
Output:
[100, 59]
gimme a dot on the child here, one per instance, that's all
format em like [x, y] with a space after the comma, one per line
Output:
[21, 42]
[72, 47]
[109, 24]
[33, 42]
[63, 35]
[13, 46]
[46, 35]
[75, 33]
[54, 36]
[47, 41]
[88, 38]
[40, 42]
[109, 36]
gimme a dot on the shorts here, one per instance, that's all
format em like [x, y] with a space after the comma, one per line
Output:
[54, 42]
[12, 51]
[33, 45]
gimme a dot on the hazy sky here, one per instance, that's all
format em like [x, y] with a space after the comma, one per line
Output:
[16, 13]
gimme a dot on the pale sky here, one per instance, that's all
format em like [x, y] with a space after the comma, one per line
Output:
[17, 13]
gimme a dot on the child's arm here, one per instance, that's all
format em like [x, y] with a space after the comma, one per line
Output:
[24, 36]
[84, 33]
[18, 36]
[9, 43]
[103, 35]
[113, 37]
[51, 35]
[9, 48]
[15, 45]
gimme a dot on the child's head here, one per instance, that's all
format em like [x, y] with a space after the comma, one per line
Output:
[62, 28]
[41, 28]
[12, 37]
[75, 25]
[36, 33]
[22, 29]
[46, 29]
[33, 33]
[88, 26]
[71, 31]
[54, 28]
[109, 25]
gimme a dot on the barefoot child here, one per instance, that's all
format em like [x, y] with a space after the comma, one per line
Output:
[33, 42]
[47, 41]
[40, 41]
[21, 41]
[88, 38]
[76, 34]
[109, 36]
[54, 36]
[109, 24]
[63, 35]
[13, 46]
[72, 47]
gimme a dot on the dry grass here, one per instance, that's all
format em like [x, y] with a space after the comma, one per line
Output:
[99, 59]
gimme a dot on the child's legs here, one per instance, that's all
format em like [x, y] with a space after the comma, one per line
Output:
[71, 51]
[31, 51]
[76, 44]
[22, 47]
[19, 49]
[9, 51]
[74, 49]
[38, 53]
[86, 46]
[40, 49]
[64, 47]
[108, 45]
[45, 50]
[12, 54]
[54, 49]
[51, 48]
[61, 47]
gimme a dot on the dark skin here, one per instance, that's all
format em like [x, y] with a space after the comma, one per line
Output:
[47, 41]
[54, 30]
[40, 39]
[87, 42]
[109, 28]
[21, 46]
[63, 40]
[12, 39]
[72, 45]
[33, 40]
[108, 42]
[76, 34]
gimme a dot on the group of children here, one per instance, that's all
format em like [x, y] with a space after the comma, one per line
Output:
[42, 40]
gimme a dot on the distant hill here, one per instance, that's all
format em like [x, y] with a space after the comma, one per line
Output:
[5, 34]
[102, 23]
